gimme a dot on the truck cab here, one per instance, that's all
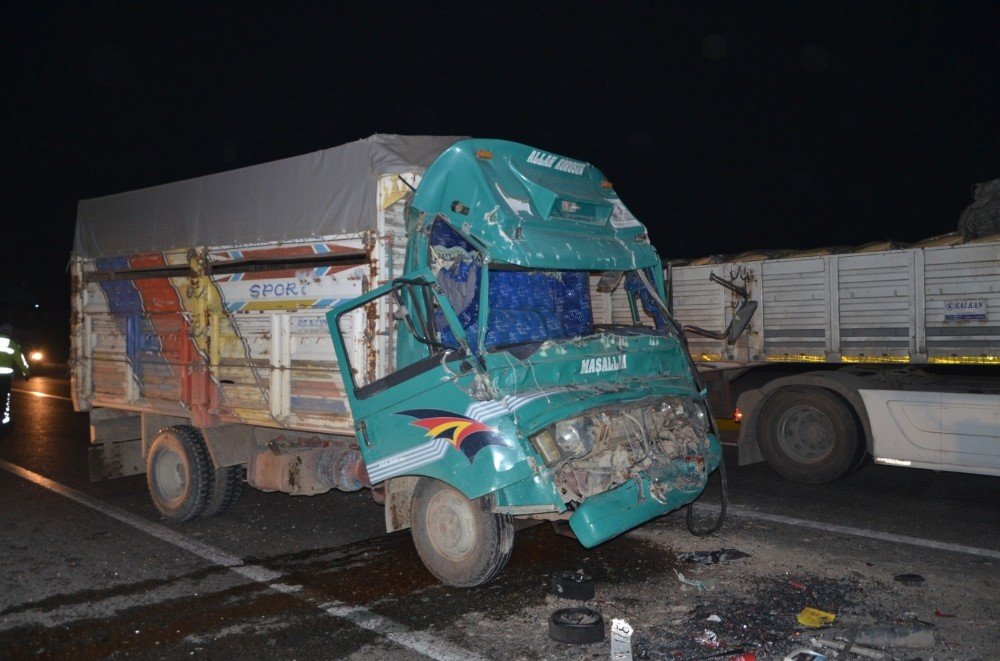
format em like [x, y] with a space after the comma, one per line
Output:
[535, 370]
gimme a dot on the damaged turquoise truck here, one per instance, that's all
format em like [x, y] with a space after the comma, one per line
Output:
[502, 349]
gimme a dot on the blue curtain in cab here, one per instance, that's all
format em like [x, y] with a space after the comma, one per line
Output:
[525, 306]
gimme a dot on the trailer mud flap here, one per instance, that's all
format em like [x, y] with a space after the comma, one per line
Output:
[111, 460]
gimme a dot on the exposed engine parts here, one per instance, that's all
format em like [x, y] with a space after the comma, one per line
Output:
[596, 452]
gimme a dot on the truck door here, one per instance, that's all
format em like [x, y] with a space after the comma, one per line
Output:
[409, 392]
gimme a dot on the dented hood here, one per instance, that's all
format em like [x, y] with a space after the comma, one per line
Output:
[562, 379]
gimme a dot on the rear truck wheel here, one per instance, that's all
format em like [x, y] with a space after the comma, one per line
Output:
[179, 473]
[459, 540]
[227, 483]
[809, 435]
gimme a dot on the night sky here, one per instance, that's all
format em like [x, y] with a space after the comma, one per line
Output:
[724, 127]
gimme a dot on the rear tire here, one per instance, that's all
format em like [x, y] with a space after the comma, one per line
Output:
[459, 540]
[179, 473]
[227, 484]
[810, 435]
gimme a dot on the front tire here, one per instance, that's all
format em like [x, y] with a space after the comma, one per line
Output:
[179, 473]
[809, 435]
[459, 540]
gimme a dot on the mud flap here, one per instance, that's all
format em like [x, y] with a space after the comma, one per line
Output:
[110, 460]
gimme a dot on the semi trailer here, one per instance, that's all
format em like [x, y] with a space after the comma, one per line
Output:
[884, 351]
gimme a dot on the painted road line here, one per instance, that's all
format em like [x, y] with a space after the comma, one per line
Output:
[41, 394]
[420, 642]
[50, 615]
[746, 513]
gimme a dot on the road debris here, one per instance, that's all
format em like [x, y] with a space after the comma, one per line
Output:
[572, 585]
[621, 640]
[895, 635]
[815, 618]
[909, 579]
[804, 654]
[701, 586]
[576, 626]
[713, 557]
[708, 639]
[848, 647]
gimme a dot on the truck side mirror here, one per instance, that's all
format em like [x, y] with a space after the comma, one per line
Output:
[741, 319]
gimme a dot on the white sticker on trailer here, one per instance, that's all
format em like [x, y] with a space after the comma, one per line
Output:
[965, 310]
[326, 288]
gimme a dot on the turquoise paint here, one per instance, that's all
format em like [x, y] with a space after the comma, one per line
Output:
[511, 209]
[509, 205]
[611, 513]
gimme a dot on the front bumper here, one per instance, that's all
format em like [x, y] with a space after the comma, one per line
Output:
[608, 514]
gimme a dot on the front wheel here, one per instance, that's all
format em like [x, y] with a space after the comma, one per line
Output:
[459, 540]
[809, 435]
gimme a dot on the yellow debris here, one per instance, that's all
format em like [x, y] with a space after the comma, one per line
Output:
[812, 617]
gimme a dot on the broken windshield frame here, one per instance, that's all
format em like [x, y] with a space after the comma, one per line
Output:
[526, 307]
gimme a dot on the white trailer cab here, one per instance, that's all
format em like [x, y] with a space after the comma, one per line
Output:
[894, 353]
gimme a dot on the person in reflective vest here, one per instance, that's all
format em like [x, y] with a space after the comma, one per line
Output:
[10, 358]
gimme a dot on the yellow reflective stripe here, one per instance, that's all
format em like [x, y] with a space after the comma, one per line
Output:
[874, 359]
[795, 358]
[964, 360]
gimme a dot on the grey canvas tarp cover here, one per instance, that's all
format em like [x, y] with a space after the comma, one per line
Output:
[324, 193]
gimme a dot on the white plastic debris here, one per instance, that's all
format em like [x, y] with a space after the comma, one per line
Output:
[621, 640]
[709, 639]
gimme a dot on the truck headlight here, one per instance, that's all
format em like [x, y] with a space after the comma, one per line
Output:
[698, 415]
[545, 443]
[573, 438]
[566, 440]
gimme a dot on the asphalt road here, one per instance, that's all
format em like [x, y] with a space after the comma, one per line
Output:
[92, 571]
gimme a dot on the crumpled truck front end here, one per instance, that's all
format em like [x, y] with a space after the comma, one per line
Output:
[646, 461]
[615, 426]
[617, 466]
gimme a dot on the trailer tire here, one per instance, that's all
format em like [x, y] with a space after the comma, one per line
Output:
[179, 473]
[459, 540]
[227, 484]
[809, 435]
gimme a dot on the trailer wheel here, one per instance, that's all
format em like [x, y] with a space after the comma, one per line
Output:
[179, 473]
[809, 435]
[459, 540]
[227, 483]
